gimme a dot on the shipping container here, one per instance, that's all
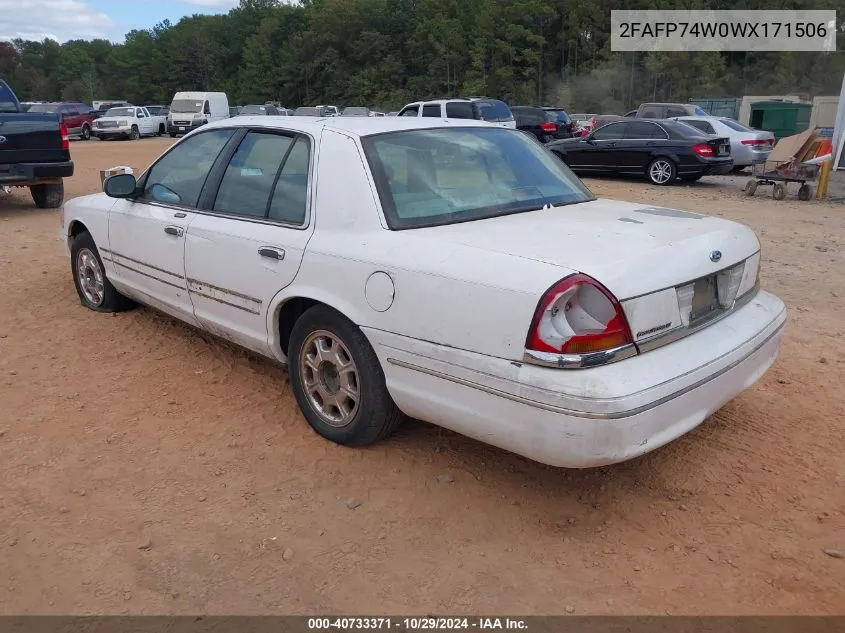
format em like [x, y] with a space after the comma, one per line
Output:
[781, 118]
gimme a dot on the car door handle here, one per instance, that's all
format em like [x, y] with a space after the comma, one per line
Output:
[271, 252]
[178, 231]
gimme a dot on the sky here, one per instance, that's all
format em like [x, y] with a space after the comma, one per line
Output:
[65, 20]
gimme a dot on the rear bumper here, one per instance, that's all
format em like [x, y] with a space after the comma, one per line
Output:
[31, 173]
[706, 167]
[590, 417]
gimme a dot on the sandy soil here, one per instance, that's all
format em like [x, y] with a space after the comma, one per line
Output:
[145, 468]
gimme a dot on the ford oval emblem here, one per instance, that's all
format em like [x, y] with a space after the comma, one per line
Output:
[715, 256]
[2, 139]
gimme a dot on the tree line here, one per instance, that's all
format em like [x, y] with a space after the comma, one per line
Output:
[385, 53]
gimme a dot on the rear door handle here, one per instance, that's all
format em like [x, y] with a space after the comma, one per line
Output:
[272, 252]
[178, 231]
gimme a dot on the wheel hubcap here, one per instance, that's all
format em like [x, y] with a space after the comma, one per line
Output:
[661, 171]
[90, 276]
[330, 378]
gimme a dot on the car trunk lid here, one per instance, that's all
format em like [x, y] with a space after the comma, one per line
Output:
[633, 249]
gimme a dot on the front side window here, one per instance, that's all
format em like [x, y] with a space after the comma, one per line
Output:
[206, 108]
[178, 177]
[442, 176]
[410, 111]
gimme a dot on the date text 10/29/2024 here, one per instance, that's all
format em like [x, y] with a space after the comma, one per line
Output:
[416, 624]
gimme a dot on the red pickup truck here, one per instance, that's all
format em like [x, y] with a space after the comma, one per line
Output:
[77, 117]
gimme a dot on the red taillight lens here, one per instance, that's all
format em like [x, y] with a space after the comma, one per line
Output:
[65, 137]
[548, 128]
[756, 141]
[578, 316]
[703, 150]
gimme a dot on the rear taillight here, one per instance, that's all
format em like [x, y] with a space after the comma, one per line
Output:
[578, 316]
[703, 150]
[548, 128]
[65, 137]
[756, 141]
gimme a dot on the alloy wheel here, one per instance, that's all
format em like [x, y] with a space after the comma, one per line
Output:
[89, 273]
[330, 378]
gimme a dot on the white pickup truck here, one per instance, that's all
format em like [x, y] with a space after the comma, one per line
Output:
[131, 122]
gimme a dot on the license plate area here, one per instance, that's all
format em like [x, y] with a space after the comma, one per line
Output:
[705, 299]
[724, 150]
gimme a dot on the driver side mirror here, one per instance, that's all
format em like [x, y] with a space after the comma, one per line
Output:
[120, 186]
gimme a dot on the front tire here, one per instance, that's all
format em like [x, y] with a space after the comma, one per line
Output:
[93, 287]
[661, 171]
[173, 135]
[161, 129]
[48, 196]
[134, 135]
[338, 381]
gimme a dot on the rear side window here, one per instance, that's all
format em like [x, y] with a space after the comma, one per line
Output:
[251, 174]
[179, 176]
[460, 110]
[494, 110]
[704, 126]
[431, 110]
[643, 130]
[290, 196]
[610, 131]
[673, 111]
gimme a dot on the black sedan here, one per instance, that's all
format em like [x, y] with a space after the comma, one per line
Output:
[660, 150]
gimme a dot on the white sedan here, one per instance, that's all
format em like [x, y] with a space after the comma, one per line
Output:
[748, 146]
[450, 271]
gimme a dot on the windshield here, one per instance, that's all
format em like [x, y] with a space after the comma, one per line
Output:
[356, 111]
[443, 176]
[307, 112]
[494, 110]
[44, 107]
[121, 112]
[698, 111]
[186, 106]
[735, 125]
[156, 110]
[254, 109]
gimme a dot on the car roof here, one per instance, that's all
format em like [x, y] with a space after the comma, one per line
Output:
[356, 126]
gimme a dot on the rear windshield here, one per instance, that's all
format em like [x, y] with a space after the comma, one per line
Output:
[735, 125]
[698, 111]
[443, 176]
[45, 107]
[494, 110]
[356, 111]
[560, 116]
[8, 103]
[307, 112]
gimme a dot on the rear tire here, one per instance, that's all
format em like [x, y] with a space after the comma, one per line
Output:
[338, 381]
[48, 196]
[661, 171]
[86, 133]
[89, 276]
[173, 135]
[738, 168]
[161, 129]
[692, 178]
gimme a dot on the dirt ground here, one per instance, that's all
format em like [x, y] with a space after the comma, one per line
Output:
[146, 468]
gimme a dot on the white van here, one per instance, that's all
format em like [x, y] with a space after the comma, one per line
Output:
[190, 110]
